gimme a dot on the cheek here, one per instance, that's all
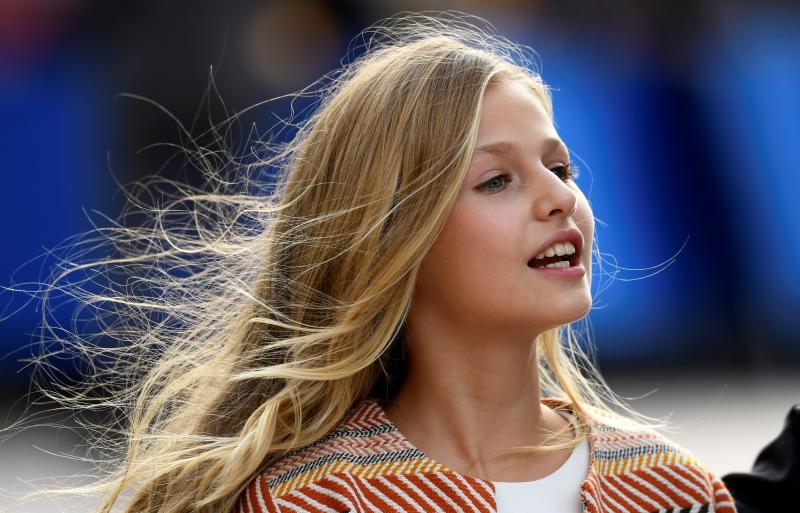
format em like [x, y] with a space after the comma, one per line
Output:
[584, 220]
[477, 250]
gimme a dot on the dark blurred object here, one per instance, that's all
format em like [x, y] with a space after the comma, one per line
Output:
[775, 476]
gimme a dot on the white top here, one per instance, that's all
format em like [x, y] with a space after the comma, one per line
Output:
[555, 493]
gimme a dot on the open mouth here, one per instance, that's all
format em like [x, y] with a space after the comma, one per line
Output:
[555, 261]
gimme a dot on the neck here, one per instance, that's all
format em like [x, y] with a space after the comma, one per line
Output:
[468, 396]
[478, 380]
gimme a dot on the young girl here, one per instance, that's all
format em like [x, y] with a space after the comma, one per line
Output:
[389, 329]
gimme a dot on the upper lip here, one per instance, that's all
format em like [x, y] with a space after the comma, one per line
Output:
[570, 234]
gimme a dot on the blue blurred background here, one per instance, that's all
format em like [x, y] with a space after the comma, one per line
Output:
[684, 115]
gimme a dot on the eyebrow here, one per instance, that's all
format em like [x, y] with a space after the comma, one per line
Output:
[550, 145]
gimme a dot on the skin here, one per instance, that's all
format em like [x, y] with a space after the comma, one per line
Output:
[477, 309]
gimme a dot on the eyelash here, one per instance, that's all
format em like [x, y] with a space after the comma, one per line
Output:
[570, 173]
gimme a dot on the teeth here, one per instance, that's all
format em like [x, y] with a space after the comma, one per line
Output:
[559, 248]
[563, 263]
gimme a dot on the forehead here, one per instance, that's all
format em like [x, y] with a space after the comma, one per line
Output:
[511, 111]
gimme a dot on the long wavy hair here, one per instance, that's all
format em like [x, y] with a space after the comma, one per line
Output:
[241, 320]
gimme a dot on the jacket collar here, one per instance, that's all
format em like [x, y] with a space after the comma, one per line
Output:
[370, 415]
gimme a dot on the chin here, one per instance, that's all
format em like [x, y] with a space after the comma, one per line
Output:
[570, 313]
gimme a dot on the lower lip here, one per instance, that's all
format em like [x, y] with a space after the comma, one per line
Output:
[575, 271]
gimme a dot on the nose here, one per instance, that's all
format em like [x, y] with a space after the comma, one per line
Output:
[553, 198]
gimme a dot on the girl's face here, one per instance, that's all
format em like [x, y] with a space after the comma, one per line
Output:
[515, 199]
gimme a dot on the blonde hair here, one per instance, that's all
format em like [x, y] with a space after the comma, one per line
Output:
[248, 317]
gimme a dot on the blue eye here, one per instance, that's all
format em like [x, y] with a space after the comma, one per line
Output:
[565, 172]
[495, 184]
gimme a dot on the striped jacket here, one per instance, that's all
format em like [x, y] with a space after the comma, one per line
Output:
[367, 465]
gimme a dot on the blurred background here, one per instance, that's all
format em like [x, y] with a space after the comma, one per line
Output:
[684, 118]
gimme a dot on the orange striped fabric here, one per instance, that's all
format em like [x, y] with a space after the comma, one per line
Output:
[367, 466]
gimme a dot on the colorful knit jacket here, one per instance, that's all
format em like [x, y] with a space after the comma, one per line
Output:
[367, 465]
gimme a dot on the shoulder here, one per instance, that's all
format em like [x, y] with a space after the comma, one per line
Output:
[642, 467]
[364, 444]
[619, 449]
[622, 445]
